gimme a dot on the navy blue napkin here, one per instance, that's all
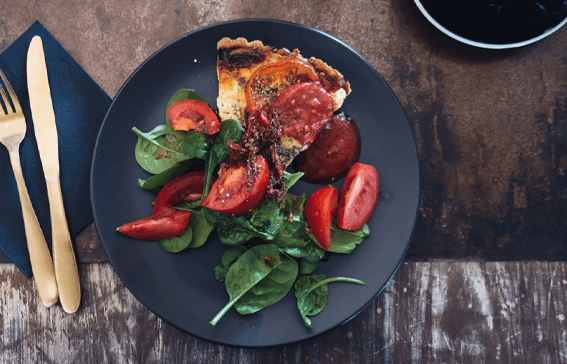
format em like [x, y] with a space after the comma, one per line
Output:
[80, 105]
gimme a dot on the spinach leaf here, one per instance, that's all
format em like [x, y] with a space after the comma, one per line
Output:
[344, 241]
[229, 130]
[155, 183]
[292, 232]
[194, 236]
[267, 217]
[235, 230]
[259, 278]
[283, 226]
[178, 243]
[312, 294]
[306, 266]
[290, 179]
[230, 256]
[201, 228]
[232, 230]
[312, 252]
[233, 235]
[163, 147]
[309, 256]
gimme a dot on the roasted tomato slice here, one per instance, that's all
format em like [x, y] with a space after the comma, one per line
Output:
[358, 197]
[301, 110]
[165, 225]
[268, 81]
[193, 115]
[188, 187]
[335, 149]
[319, 210]
[240, 188]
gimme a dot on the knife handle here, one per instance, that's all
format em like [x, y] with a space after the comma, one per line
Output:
[40, 258]
[63, 255]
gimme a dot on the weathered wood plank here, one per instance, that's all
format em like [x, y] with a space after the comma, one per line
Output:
[431, 312]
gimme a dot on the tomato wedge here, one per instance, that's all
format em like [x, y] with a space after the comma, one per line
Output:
[193, 115]
[166, 224]
[318, 211]
[358, 197]
[238, 190]
[188, 187]
[268, 81]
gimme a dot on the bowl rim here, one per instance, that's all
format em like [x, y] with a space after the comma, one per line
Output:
[482, 44]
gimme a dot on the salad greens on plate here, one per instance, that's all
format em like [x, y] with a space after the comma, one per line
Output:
[269, 249]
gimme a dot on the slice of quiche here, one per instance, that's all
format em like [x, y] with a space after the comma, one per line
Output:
[256, 80]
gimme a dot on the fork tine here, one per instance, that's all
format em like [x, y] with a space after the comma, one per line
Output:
[6, 107]
[13, 96]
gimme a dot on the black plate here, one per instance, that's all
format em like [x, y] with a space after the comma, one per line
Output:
[181, 288]
[495, 23]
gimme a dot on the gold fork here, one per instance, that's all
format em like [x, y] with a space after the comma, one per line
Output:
[12, 131]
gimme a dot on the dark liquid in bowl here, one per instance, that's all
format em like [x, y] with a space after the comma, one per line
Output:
[497, 22]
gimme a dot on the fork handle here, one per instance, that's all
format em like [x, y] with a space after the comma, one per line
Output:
[63, 255]
[40, 258]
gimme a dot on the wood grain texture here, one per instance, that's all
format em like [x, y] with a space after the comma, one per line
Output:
[430, 312]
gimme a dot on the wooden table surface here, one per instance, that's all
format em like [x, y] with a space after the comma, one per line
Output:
[485, 279]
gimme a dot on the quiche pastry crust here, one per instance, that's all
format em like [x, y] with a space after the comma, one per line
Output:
[237, 61]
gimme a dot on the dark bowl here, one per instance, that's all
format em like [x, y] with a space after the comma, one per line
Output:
[497, 24]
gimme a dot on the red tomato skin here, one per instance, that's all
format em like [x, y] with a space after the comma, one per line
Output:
[282, 74]
[302, 110]
[167, 224]
[335, 149]
[319, 210]
[193, 115]
[188, 187]
[231, 194]
[358, 197]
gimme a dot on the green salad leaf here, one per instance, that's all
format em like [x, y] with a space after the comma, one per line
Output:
[229, 130]
[178, 243]
[232, 230]
[291, 178]
[307, 266]
[255, 277]
[194, 236]
[155, 183]
[163, 147]
[267, 218]
[229, 256]
[292, 232]
[312, 294]
[263, 222]
[309, 256]
[259, 278]
[201, 228]
[344, 241]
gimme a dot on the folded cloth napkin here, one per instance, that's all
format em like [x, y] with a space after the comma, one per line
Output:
[80, 105]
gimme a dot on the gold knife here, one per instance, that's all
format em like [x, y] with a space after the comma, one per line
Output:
[43, 116]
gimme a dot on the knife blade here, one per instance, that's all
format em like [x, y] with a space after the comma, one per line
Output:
[43, 116]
